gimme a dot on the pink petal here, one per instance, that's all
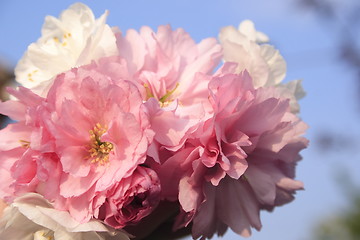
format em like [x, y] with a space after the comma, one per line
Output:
[14, 136]
[74, 161]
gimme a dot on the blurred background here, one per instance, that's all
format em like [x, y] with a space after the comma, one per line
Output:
[319, 39]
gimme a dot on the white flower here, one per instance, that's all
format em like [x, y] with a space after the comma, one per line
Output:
[75, 39]
[31, 217]
[245, 46]
[247, 28]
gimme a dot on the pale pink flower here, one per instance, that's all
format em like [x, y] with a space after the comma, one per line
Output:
[89, 133]
[31, 217]
[239, 161]
[17, 159]
[164, 64]
[131, 199]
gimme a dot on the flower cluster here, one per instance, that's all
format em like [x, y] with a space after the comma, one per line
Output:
[111, 127]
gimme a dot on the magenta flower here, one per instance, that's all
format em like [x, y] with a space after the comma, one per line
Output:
[131, 199]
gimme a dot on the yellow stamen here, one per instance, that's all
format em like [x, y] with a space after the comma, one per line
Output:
[148, 91]
[44, 234]
[164, 98]
[24, 144]
[31, 74]
[62, 39]
[99, 150]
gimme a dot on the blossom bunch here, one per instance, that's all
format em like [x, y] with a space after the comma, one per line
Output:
[117, 134]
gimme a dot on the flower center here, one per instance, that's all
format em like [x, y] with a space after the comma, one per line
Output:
[99, 150]
[44, 234]
[31, 74]
[62, 41]
[24, 144]
[166, 99]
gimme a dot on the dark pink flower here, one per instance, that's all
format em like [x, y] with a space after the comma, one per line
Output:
[132, 199]
[242, 159]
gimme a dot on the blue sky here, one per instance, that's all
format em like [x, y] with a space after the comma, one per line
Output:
[307, 45]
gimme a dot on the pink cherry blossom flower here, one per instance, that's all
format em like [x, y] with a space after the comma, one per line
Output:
[131, 199]
[239, 161]
[89, 133]
[126, 129]
[164, 64]
[17, 159]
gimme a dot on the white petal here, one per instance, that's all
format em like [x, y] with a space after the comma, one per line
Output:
[294, 91]
[247, 28]
[74, 39]
[276, 63]
[31, 217]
